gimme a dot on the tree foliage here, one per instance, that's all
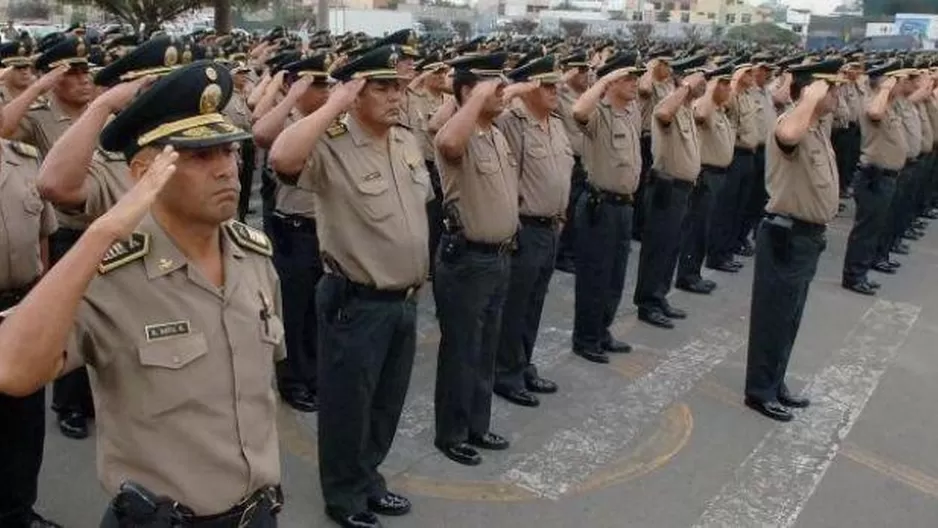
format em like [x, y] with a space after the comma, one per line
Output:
[28, 9]
[462, 28]
[524, 26]
[150, 14]
[891, 7]
[573, 28]
[763, 33]
[641, 32]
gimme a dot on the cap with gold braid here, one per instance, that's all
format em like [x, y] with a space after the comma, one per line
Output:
[828, 70]
[15, 54]
[72, 51]
[379, 63]
[157, 56]
[316, 66]
[486, 66]
[575, 60]
[181, 109]
[406, 39]
[433, 62]
[625, 60]
[543, 70]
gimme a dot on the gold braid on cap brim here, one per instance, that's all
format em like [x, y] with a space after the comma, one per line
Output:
[134, 75]
[549, 77]
[72, 61]
[832, 78]
[312, 73]
[168, 129]
[17, 61]
[376, 74]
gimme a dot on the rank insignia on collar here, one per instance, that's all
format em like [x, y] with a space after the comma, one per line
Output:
[249, 238]
[124, 252]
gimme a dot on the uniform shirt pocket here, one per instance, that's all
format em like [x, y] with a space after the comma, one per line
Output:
[374, 196]
[487, 166]
[172, 372]
[32, 203]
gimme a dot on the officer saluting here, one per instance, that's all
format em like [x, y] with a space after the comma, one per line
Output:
[372, 188]
[801, 179]
[183, 381]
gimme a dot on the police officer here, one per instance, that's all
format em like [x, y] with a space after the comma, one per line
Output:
[575, 82]
[801, 178]
[610, 119]
[655, 84]
[744, 113]
[882, 156]
[372, 188]
[480, 210]
[916, 205]
[846, 136]
[545, 158]
[187, 412]
[674, 171]
[293, 230]
[238, 113]
[26, 222]
[15, 55]
[716, 137]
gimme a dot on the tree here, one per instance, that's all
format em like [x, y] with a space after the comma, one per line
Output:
[432, 25]
[663, 16]
[891, 7]
[26, 9]
[764, 33]
[692, 33]
[462, 28]
[524, 26]
[150, 14]
[641, 32]
[573, 28]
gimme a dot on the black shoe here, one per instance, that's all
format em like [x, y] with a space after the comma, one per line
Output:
[725, 266]
[746, 249]
[673, 313]
[709, 284]
[594, 355]
[74, 425]
[518, 397]
[461, 453]
[882, 267]
[391, 504]
[300, 399]
[795, 402]
[772, 409]
[900, 249]
[930, 214]
[697, 286]
[919, 224]
[910, 234]
[490, 441]
[540, 385]
[34, 520]
[615, 346]
[873, 284]
[893, 264]
[862, 287]
[655, 317]
[365, 519]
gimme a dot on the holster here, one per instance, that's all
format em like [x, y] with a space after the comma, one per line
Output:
[781, 237]
[453, 240]
[137, 507]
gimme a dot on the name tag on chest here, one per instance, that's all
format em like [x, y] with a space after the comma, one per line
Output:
[163, 330]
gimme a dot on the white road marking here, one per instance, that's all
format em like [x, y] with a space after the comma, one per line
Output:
[774, 483]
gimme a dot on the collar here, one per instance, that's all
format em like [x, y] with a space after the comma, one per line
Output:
[56, 110]
[164, 257]
[359, 136]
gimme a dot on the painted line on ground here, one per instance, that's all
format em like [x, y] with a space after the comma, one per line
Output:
[773, 484]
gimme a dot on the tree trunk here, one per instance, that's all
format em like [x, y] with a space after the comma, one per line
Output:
[222, 16]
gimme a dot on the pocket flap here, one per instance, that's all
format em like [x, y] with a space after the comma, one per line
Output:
[174, 352]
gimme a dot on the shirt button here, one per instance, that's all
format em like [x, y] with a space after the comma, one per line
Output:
[176, 360]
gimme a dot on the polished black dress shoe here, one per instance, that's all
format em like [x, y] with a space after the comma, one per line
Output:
[746, 249]
[860, 286]
[795, 402]
[931, 214]
[726, 267]
[894, 264]
[300, 399]
[73, 425]
[772, 409]
[911, 234]
[594, 355]
[517, 396]
[461, 453]
[391, 504]
[901, 249]
[490, 441]
[655, 317]
[709, 284]
[615, 346]
[875, 285]
[673, 313]
[882, 267]
[540, 385]
[31, 520]
[693, 287]
[344, 519]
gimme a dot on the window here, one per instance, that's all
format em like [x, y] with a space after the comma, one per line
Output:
[669, 6]
[711, 16]
[685, 6]
[636, 16]
[685, 18]
[657, 6]
[746, 18]
[731, 18]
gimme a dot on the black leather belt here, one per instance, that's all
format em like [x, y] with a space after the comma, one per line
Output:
[795, 225]
[878, 170]
[610, 197]
[673, 182]
[744, 150]
[501, 248]
[295, 222]
[712, 168]
[268, 499]
[12, 297]
[370, 293]
[549, 222]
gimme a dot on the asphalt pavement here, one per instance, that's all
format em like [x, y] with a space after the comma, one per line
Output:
[659, 437]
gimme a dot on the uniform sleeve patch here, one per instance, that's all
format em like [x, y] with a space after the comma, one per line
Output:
[25, 149]
[124, 252]
[249, 238]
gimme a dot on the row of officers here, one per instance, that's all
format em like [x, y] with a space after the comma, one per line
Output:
[184, 318]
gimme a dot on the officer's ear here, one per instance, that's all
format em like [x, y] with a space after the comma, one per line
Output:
[141, 162]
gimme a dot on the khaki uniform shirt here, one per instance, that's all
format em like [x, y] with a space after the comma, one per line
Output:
[24, 218]
[545, 159]
[883, 143]
[484, 186]
[803, 184]
[372, 218]
[852, 98]
[613, 151]
[912, 126]
[717, 137]
[932, 105]
[745, 115]
[182, 371]
[928, 134]
[567, 98]
[659, 90]
[767, 113]
[292, 199]
[109, 181]
[675, 147]
[421, 109]
[237, 111]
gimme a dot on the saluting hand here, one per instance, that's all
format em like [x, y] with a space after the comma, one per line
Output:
[299, 87]
[118, 97]
[51, 79]
[120, 221]
[816, 91]
[344, 94]
[695, 81]
[486, 89]
[889, 84]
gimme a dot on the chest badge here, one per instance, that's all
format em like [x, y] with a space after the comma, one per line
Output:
[159, 331]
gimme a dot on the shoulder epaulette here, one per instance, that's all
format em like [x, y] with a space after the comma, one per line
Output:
[111, 156]
[39, 104]
[557, 114]
[337, 129]
[249, 238]
[24, 149]
[124, 252]
[405, 126]
[518, 113]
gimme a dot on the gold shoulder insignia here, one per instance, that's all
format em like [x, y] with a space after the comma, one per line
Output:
[249, 238]
[337, 129]
[24, 149]
[124, 252]
[39, 104]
